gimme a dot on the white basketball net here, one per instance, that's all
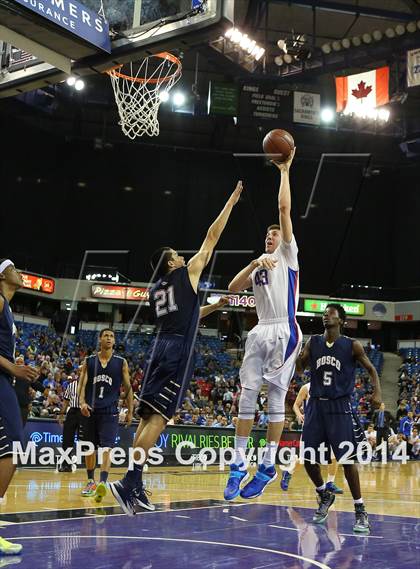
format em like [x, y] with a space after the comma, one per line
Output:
[139, 90]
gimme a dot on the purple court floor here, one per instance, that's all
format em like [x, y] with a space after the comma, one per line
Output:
[209, 535]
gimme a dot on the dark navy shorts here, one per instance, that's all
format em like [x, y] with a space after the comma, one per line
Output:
[11, 426]
[101, 428]
[167, 377]
[332, 422]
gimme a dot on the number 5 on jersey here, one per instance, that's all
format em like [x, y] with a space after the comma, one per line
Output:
[327, 377]
[165, 301]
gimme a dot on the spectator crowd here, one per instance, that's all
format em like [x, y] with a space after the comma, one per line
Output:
[212, 400]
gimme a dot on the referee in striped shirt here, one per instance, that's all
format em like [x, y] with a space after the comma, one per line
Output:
[72, 420]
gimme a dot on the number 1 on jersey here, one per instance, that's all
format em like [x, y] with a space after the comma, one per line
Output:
[101, 392]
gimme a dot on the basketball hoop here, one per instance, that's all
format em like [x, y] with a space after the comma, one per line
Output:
[139, 93]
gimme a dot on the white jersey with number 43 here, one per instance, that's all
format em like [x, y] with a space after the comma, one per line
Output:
[276, 291]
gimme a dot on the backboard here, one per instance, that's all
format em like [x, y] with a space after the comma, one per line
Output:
[137, 28]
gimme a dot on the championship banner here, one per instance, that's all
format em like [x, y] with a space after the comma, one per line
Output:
[115, 292]
[306, 107]
[413, 68]
[363, 91]
[35, 282]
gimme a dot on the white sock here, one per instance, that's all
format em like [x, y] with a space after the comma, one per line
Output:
[293, 463]
[270, 454]
[321, 488]
[331, 478]
[241, 443]
[359, 501]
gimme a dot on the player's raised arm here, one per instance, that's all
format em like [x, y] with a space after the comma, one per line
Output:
[285, 200]
[206, 310]
[243, 279]
[200, 260]
[303, 360]
[361, 357]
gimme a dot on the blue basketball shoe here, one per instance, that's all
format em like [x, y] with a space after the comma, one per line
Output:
[124, 497]
[331, 487]
[285, 480]
[263, 477]
[236, 478]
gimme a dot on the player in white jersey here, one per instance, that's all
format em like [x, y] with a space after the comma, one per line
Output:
[299, 408]
[272, 346]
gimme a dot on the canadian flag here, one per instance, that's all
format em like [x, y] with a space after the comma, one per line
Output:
[363, 91]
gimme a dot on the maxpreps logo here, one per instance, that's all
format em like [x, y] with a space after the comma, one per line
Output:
[45, 437]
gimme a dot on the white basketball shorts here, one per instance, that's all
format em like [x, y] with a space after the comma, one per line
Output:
[271, 350]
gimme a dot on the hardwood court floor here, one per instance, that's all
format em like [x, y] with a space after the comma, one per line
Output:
[194, 527]
[388, 489]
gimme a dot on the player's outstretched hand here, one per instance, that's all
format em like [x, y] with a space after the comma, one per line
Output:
[26, 372]
[285, 166]
[234, 198]
[85, 410]
[223, 301]
[265, 263]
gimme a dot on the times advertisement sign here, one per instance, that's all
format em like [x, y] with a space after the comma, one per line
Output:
[40, 284]
[117, 292]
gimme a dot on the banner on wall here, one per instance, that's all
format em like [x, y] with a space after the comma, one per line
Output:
[35, 282]
[363, 91]
[413, 68]
[116, 292]
[306, 107]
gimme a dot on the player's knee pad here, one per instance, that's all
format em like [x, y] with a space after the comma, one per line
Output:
[276, 403]
[247, 403]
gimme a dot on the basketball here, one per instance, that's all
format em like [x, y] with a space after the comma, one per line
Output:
[278, 145]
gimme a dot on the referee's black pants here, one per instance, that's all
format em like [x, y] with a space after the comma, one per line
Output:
[71, 427]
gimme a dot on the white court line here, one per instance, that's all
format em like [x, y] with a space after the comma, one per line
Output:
[345, 534]
[362, 535]
[177, 540]
[113, 515]
[240, 519]
[283, 527]
[188, 517]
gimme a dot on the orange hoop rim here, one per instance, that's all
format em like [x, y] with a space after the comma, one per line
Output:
[163, 55]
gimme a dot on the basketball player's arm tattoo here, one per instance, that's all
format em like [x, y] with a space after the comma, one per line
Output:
[200, 260]
[361, 357]
[303, 360]
[127, 388]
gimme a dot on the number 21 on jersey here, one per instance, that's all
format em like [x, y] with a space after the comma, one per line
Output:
[165, 301]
